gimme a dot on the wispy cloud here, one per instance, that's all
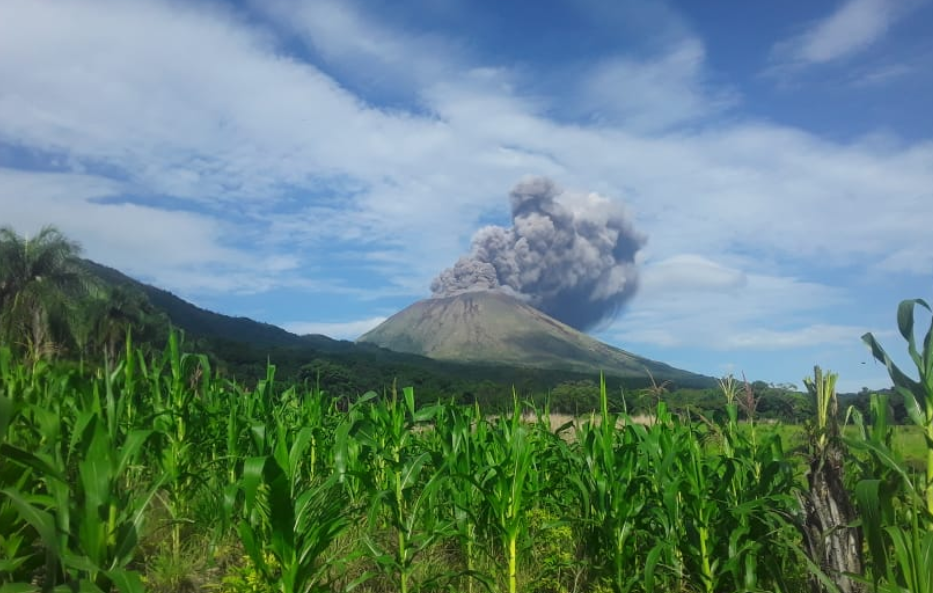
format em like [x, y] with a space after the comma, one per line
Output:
[362, 50]
[651, 95]
[691, 272]
[853, 27]
[348, 330]
[695, 302]
[818, 334]
[881, 74]
[178, 250]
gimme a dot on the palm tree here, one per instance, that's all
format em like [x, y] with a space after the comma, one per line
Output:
[39, 278]
[122, 309]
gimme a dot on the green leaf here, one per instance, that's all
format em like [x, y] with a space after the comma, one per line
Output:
[42, 521]
[868, 496]
[252, 478]
[79, 562]
[905, 324]
[409, 393]
[18, 588]
[651, 564]
[131, 447]
[6, 415]
[897, 376]
[281, 506]
[888, 459]
[126, 581]
[298, 449]
[22, 457]
[411, 471]
[94, 468]
[914, 412]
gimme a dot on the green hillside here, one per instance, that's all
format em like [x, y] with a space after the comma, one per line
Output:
[241, 347]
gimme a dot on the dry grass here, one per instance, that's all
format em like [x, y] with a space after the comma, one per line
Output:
[559, 420]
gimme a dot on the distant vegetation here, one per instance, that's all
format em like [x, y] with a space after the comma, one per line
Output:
[74, 309]
[53, 306]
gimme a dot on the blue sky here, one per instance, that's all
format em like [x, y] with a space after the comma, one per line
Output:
[315, 164]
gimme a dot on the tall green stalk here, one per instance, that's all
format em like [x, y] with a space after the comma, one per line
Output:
[612, 485]
[917, 394]
[509, 480]
[382, 447]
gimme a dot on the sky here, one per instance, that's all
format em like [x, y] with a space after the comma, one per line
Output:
[315, 164]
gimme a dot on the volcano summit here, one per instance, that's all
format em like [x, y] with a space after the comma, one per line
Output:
[494, 328]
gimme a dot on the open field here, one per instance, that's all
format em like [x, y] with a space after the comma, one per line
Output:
[907, 439]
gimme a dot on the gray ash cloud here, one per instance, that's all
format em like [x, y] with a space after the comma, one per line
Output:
[569, 255]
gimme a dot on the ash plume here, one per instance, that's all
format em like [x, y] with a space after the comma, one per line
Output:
[571, 256]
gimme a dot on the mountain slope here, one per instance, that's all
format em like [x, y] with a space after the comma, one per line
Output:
[491, 327]
[519, 358]
[203, 323]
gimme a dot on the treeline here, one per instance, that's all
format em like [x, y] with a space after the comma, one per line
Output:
[52, 307]
[55, 305]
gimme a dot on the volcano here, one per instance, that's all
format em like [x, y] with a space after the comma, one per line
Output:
[494, 328]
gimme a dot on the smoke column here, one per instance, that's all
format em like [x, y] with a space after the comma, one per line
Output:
[571, 256]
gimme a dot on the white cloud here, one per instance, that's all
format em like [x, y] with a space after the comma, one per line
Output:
[912, 260]
[218, 117]
[215, 115]
[852, 28]
[177, 250]
[348, 330]
[690, 272]
[882, 74]
[803, 337]
[695, 302]
[347, 37]
[652, 95]
[225, 122]
[123, 231]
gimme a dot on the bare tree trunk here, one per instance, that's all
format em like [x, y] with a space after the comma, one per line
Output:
[39, 335]
[831, 543]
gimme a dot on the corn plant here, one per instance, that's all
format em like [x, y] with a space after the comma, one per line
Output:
[79, 505]
[403, 491]
[19, 540]
[441, 497]
[460, 438]
[917, 394]
[172, 396]
[552, 527]
[659, 446]
[290, 517]
[730, 390]
[891, 508]
[509, 481]
[612, 487]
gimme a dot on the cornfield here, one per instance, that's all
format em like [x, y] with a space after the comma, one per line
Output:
[155, 474]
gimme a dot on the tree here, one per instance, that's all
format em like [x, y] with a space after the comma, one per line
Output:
[105, 317]
[123, 309]
[833, 541]
[40, 277]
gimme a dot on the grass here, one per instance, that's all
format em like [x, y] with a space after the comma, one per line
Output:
[908, 439]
